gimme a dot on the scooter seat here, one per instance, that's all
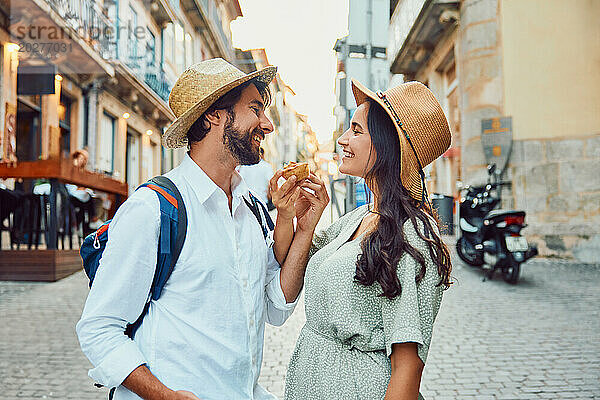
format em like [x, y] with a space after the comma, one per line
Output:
[472, 225]
[494, 214]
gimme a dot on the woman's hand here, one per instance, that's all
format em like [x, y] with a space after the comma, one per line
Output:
[310, 204]
[284, 197]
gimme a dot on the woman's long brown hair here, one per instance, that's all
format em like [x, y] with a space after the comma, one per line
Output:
[386, 244]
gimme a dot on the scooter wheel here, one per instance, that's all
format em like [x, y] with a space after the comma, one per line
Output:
[510, 272]
[468, 255]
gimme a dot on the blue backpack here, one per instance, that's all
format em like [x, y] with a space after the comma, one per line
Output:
[173, 228]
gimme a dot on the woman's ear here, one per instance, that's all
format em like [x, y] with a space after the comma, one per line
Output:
[215, 117]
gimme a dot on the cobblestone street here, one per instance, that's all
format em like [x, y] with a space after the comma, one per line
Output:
[537, 340]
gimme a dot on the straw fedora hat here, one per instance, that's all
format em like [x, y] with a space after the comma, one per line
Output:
[421, 125]
[198, 88]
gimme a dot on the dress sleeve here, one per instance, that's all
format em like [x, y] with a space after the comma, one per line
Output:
[409, 317]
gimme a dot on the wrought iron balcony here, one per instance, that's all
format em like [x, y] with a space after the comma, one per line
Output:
[87, 18]
[142, 64]
[157, 81]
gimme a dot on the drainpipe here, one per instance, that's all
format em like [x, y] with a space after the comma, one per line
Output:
[86, 115]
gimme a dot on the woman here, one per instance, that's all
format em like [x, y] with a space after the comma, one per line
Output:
[375, 278]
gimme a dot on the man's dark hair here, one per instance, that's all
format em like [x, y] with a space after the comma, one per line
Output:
[201, 126]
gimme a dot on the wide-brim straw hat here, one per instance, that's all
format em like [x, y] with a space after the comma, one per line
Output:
[198, 88]
[416, 113]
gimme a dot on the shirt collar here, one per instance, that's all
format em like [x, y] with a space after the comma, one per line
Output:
[239, 187]
[203, 186]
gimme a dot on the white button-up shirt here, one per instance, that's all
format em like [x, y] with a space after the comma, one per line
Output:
[205, 333]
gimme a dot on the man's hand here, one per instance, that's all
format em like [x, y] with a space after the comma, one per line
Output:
[183, 395]
[284, 197]
[310, 204]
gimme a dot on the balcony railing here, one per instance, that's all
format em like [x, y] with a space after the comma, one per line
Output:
[403, 19]
[86, 17]
[157, 81]
[143, 64]
[214, 16]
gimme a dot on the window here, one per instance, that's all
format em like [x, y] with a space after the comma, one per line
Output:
[29, 128]
[150, 50]
[64, 120]
[189, 50]
[452, 159]
[168, 40]
[179, 48]
[378, 52]
[132, 167]
[357, 51]
[111, 9]
[133, 39]
[166, 160]
[149, 153]
[106, 146]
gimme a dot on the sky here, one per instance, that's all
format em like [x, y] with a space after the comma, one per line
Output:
[298, 36]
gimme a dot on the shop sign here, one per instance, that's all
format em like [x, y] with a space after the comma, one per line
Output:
[497, 139]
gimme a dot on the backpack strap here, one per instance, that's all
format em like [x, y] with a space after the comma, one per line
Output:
[257, 209]
[180, 230]
[173, 230]
[265, 212]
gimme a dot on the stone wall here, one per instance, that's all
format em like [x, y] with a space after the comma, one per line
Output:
[557, 182]
[479, 55]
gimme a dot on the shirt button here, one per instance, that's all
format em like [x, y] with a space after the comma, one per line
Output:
[251, 321]
[245, 281]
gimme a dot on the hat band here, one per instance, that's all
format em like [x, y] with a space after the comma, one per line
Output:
[383, 97]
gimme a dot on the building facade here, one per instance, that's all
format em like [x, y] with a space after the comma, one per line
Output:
[362, 55]
[292, 138]
[496, 71]
[97, 75]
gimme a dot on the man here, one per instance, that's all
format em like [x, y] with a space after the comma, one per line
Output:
[203, 338]
[257, 177]
[81, 197]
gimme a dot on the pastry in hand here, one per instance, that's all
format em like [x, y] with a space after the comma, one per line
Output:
[301, 170]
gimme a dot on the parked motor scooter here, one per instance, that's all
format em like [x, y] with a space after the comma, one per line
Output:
[489, 236]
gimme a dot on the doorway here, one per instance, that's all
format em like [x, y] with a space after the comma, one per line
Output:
[132, 165]
[29, 128]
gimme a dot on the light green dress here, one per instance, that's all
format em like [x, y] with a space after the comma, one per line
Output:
[343, 349]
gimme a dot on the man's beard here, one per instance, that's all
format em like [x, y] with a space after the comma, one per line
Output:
[240, 144]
